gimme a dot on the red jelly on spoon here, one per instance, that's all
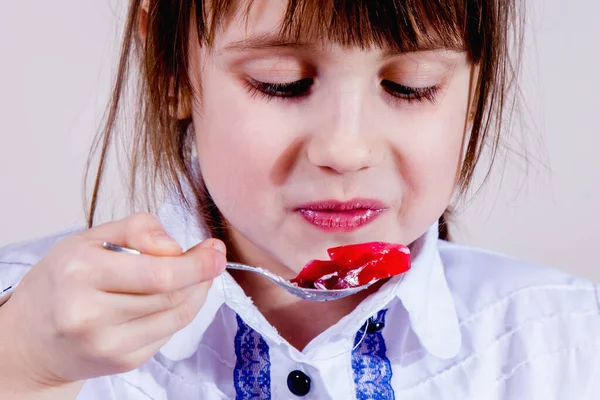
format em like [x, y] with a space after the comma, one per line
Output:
[355, 265]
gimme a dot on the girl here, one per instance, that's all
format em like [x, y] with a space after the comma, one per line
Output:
[278, 130]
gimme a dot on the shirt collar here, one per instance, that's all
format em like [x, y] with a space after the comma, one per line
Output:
[423, 291]
[425, 294]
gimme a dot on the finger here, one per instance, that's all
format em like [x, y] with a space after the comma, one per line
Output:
[141, 231]
[156, 327]
[140, 356]
[132, 360]
[143, 274]
[127, 307]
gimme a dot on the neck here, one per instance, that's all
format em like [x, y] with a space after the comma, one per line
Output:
[297, 321]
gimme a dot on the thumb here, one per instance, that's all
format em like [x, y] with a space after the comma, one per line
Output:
[211, 253]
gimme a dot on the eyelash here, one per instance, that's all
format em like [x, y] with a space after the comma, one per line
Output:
[411, 94]
[293, 91]
[301, 88]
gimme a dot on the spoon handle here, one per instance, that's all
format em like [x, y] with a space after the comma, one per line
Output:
[243, 267]
[257, 270]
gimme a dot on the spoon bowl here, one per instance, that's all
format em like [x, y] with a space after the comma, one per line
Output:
[303, 293]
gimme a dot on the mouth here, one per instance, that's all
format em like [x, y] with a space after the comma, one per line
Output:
[336, 216]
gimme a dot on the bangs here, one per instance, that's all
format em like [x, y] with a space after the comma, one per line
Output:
[397, 25]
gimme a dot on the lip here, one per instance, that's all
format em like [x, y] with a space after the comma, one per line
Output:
[341, 216]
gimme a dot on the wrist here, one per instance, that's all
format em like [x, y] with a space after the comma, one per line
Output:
[20, 376]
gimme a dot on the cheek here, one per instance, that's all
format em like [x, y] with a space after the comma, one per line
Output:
[234, 145]
[430, 159]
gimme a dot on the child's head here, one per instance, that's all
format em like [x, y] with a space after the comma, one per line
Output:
[284, 104]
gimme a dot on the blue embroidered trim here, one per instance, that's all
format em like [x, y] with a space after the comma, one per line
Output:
[252, 373]
[372, 369]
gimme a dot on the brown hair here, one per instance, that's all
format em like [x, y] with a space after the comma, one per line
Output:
[160, 149]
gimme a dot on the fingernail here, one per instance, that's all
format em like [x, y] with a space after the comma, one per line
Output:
[162, 239]
[220, 246]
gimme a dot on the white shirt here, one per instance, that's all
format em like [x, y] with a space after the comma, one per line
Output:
[462, 324]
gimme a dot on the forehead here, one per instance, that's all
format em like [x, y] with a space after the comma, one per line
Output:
[395, 25]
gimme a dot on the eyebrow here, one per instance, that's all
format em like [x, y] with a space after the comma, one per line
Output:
[265, 41]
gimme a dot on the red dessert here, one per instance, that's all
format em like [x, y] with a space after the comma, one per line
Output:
[355, 265]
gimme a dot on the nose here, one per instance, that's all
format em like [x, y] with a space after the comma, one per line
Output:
[343, 142]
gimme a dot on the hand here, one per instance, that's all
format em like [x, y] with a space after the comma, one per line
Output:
[84, 311]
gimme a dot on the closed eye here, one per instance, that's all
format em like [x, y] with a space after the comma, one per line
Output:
[410, 94]
[296, 89]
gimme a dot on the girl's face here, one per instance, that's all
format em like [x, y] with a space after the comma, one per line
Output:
[306, 146]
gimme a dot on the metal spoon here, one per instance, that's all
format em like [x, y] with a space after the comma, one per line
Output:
[306, 294]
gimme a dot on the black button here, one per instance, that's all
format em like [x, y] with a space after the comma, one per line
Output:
[298, 383]
[375, 327]
[372, 325]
